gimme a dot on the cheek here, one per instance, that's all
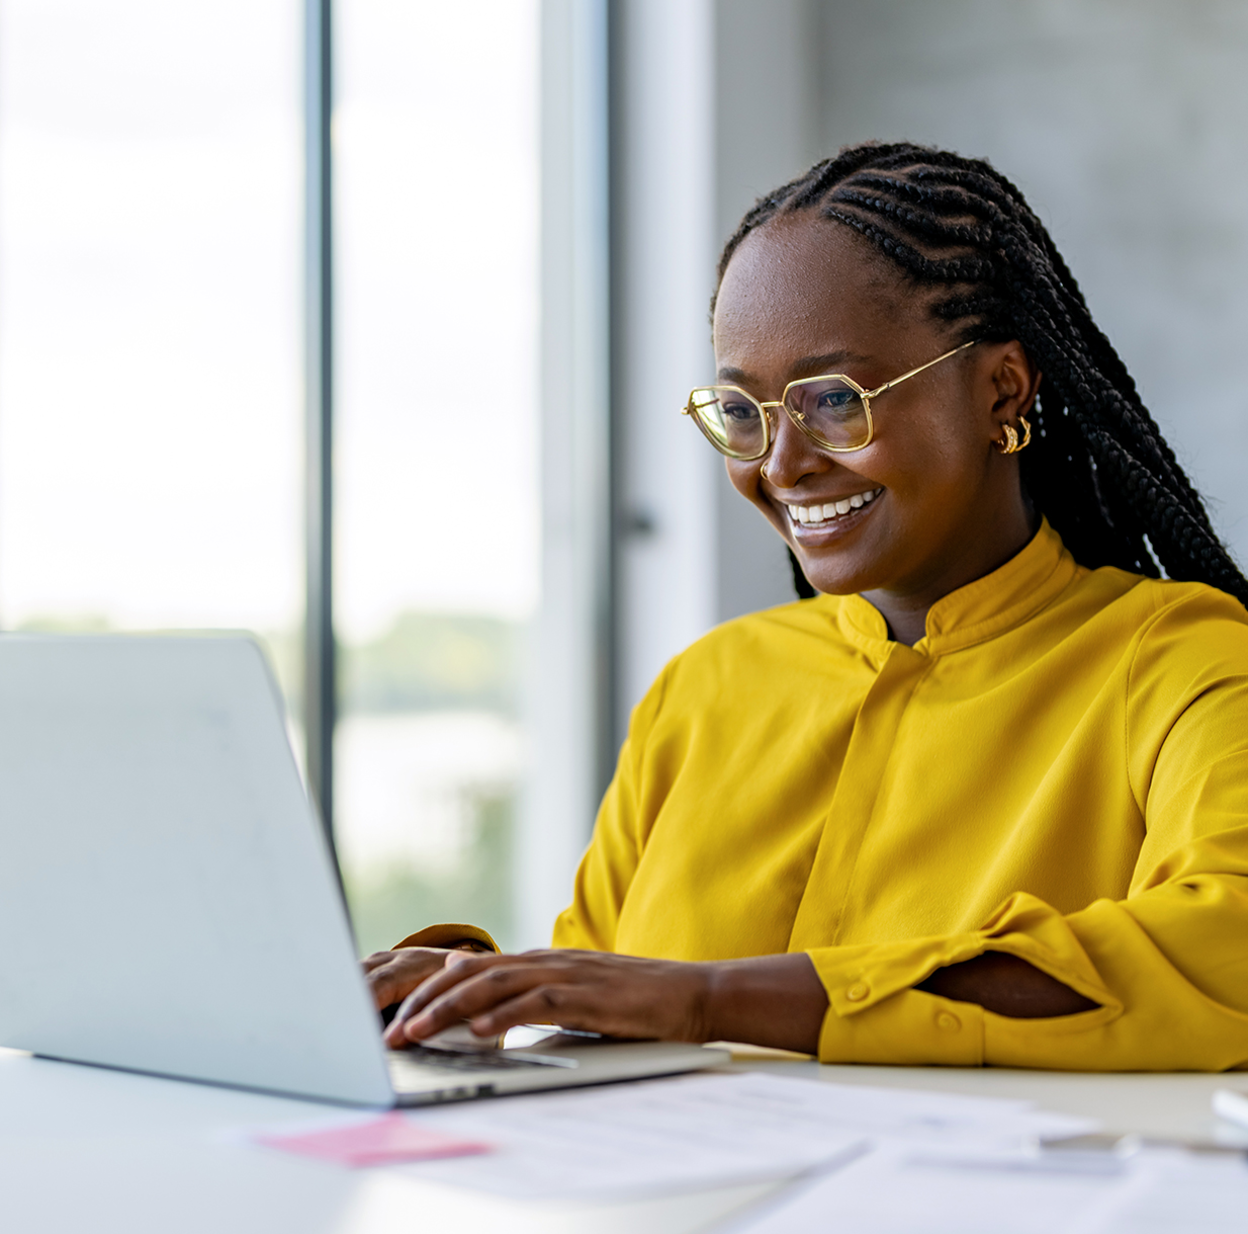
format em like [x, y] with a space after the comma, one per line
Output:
[931, 455]
[744, 478]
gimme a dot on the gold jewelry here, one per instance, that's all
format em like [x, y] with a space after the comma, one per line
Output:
[1010, 444]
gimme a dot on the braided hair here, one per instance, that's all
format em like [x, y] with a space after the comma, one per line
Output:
[1098, 467]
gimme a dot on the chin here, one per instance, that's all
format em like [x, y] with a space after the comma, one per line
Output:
[833, 579]
[843, 562]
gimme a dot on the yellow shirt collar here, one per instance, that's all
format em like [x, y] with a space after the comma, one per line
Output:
[979, 611]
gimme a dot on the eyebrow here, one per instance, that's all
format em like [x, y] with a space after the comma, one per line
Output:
[807, 366]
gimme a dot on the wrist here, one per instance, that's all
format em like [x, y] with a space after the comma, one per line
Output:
[775, 1000]
[709, 998]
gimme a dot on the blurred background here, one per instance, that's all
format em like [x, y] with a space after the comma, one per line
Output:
[528, 197]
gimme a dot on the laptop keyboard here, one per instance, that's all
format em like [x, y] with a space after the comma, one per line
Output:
[454, 1060]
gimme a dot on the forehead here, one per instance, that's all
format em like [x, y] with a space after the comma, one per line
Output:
[802, 285]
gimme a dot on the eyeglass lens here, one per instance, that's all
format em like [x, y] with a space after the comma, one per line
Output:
[830, 411]
[732, 420]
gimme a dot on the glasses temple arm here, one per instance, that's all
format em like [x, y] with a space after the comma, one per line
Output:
[888, 385]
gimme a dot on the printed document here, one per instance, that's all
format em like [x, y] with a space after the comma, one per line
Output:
[898, 1189]
[700, 1131]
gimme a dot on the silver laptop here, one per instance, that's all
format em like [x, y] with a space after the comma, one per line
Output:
[169, 905]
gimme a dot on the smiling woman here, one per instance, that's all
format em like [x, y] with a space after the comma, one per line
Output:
[982, 798]
[949, 508]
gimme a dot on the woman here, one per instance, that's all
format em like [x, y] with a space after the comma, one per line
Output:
[984, 798]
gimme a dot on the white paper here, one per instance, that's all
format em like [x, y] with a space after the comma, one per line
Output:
[898, 1190]
[1195, 1193]
[627, 1140]
[704, 1131]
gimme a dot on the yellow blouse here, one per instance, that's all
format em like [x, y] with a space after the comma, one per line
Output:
[1058, 770]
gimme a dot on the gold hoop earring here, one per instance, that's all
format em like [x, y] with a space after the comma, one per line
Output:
[1010, 444]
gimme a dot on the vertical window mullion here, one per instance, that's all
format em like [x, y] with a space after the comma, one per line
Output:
[320, 695]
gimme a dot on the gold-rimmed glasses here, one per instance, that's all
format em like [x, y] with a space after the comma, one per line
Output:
[834, 411]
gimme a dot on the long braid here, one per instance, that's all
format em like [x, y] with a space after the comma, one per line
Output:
[1098, 468]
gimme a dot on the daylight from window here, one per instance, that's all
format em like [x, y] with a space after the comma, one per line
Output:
[151, 399]
[150, 414]
[435, 141]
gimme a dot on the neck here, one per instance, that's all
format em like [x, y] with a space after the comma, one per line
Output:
[907, 621]
[906, 610]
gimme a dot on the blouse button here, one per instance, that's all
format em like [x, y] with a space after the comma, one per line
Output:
[857, 992]
[948, 1022]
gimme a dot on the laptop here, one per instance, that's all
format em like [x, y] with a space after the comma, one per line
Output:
[169, 904]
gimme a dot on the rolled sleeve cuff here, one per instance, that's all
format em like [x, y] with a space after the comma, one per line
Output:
[911, 1029]
[449, 935]
[874, 1016]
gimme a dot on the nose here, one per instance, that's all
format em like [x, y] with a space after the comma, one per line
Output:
[792, 454]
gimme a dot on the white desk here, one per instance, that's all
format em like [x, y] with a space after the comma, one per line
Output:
[89, 1151]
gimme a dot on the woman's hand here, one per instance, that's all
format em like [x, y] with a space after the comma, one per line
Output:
[621, 996]
[771, 1000]
[393, 975]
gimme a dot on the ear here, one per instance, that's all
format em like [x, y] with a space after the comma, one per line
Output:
[1015, 380]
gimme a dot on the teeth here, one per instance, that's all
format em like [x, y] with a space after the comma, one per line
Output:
[833, 509]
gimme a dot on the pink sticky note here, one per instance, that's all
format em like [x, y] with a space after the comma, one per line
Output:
[380, 1141]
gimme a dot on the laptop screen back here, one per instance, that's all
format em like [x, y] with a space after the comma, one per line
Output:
[167, 899]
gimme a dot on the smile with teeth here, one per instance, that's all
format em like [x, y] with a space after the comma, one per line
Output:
[833, 509]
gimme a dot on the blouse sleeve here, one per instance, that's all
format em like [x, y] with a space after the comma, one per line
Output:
[607, 869]
[454, 936]
[1168, 964]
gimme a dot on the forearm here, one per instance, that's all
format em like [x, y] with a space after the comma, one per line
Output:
[775, 1000]
[1006, 985]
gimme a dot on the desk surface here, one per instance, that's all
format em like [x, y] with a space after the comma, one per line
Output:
[83, 1148]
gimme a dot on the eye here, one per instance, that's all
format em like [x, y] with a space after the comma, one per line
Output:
[739, 412]
[837, 400]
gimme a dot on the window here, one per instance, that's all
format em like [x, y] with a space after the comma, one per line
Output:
[150, 406]
[152, 361]
[436, 440]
